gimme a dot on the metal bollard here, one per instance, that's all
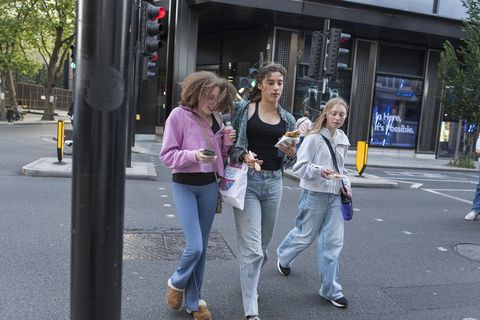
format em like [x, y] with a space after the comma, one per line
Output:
[362, 156]
[60, 141]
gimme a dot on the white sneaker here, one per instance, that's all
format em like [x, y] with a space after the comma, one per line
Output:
[472, 215]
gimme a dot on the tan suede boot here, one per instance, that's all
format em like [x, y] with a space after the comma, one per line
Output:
[202, 313]
[174, 296]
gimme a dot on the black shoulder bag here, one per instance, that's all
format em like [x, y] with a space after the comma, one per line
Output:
[347, 208]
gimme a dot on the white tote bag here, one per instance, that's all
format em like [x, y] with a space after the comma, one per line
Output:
[233, 185]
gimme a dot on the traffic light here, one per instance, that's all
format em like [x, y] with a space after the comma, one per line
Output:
[316, 55]
[153, 34]
[73, 64]
[334, 51]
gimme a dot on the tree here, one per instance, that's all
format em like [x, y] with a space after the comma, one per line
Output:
[51, 31]
[13, 52]
[460, 71]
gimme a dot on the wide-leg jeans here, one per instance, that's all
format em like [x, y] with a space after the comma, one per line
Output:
[476, 199]
[255, 225]
[319, 218]
[195, 209]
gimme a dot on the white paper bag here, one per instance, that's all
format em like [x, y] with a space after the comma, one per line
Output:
[233, 185]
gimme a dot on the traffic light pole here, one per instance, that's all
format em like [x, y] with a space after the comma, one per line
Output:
[134, 80]
[323, 79]
[98, 184]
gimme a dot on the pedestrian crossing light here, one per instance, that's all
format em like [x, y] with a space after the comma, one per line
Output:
[316, 55]
[334, 51]
[153, 24]
[73, 64]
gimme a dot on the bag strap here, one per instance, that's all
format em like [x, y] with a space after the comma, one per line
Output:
[332, 153]
[208, 143]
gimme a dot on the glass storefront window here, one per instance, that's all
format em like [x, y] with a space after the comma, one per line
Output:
[396, 111]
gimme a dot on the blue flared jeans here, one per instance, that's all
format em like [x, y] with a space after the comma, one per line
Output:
[195, 209]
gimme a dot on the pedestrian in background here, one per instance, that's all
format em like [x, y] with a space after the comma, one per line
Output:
[191, 128]
[472, 215]
[260, 123]
[303, 124]
[320, 217]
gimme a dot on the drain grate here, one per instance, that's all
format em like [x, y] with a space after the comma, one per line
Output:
[168, 245]
[468, 250]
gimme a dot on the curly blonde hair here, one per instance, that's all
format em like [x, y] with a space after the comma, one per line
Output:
[321, 121]
[198, 85]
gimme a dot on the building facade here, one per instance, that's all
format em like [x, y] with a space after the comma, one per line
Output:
[391, 80]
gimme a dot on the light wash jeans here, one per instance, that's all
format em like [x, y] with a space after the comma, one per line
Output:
[255, 225]
[476, 199]
[319, 217]
[195, 209]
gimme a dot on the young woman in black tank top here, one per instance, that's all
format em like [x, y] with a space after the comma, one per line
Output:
[259, 126]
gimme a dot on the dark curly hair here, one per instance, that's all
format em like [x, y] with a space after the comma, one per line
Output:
[264, 72]
[198, 85]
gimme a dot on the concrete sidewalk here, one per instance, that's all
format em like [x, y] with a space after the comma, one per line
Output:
[35, 117]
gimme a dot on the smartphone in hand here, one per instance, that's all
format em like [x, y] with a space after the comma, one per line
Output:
[208, 153]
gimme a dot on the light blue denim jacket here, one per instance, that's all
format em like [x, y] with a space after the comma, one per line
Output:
[240, 120]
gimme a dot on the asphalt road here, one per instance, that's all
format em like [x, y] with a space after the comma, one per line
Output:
[399, 259]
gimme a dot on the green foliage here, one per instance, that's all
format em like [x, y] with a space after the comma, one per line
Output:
[36, 34]
[463, 162]
[460, 70]
[13, 48]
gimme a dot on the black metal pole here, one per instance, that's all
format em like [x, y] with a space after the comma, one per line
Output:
[98, 184]
[170, 99]
[134, 77]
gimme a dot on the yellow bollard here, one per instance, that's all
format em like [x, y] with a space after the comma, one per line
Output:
[362, 156]
[60, 140]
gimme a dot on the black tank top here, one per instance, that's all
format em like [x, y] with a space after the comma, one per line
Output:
[262, 138]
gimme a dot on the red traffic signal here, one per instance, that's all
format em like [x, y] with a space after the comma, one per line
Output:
[153, 28]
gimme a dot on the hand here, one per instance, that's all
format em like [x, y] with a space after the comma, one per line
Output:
[326, 172]
[250, 160]
[288, 148]
[347, 191]
[230, 134]
[203, 158]
[233, 135]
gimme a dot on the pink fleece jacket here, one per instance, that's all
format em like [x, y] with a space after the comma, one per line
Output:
[182, 138]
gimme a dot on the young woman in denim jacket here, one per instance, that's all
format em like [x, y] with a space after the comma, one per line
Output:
[320, 217]
[260, 123]
[194, 186]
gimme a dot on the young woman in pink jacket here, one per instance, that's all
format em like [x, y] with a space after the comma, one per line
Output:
[190, 129]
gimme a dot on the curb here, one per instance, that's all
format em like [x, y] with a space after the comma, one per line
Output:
[48, 167]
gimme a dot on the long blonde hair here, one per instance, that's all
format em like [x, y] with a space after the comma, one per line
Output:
[321, 121]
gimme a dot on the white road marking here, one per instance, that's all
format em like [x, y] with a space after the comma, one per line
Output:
[435, 180]
[407, 232]
[167, 205]
[415, 174]
[378, 219]
[161, 188]
[462, 190]
[416, 185]
[447, 195]
[287, 187]
[356, 209]
[170, 216]
[442, 249]
[163, 196]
